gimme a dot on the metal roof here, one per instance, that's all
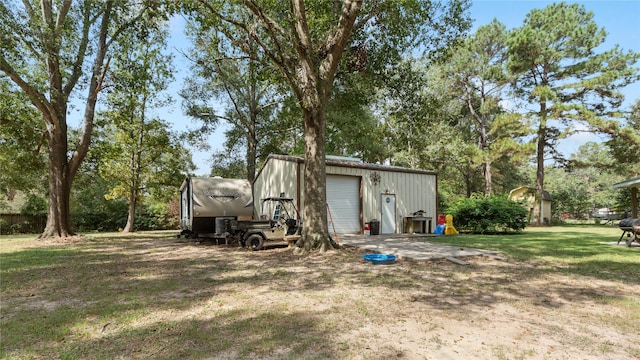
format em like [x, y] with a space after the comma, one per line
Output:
[631, 183]
[350, 164]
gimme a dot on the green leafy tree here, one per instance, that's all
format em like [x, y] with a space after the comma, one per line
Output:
[53, 50]
[237, 78]
[625, 143]
[405, 107]
[306, 41]
[478, 76]
[570, 193]
[511, 171]
[554, 56]
[424, 128]
[141, 159]
[585, 183]
[22, 138]
[352, 128]
[429, 123]
[141, 156]
[90, 210]
[228, 165]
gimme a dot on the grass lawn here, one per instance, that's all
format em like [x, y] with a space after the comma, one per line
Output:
[560, 295]
[572, 249]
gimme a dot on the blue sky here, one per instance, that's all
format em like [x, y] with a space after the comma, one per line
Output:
[621, 20]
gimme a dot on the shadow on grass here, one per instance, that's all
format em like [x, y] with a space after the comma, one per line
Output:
[231, 335]
[166, 298]
[48, 293]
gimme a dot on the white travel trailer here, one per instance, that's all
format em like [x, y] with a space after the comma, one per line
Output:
[218, 208]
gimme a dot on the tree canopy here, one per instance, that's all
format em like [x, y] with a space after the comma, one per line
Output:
[53, 50]
[390, 82]
[306, 42]
[554, 55]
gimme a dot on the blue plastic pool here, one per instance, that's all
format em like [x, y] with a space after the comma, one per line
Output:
[378, 259]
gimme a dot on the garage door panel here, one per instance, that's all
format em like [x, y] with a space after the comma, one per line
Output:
[343, 197]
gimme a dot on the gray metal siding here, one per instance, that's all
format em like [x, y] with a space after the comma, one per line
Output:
[277, 177]
[415, 190]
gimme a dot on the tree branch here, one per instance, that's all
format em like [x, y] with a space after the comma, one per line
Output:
[80, 55]
[37, 98]
[266, 20]
[364, 20]
[51, 41]
[272, 28]
[62, 15]
[303, 47]
[94, 86]
[126, 25]
[338, 41]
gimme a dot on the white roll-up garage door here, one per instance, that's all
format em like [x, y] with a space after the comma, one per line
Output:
[343, 197]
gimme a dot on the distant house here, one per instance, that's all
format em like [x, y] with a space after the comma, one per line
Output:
[527, 196]
[399, 199]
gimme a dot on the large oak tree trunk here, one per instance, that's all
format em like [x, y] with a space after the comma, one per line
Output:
[315, 234]
[315, 75]
[58, 218]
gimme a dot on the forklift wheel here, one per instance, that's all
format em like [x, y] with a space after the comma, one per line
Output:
[255, 242]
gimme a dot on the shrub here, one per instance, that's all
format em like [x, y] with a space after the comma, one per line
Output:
[99, 215]
[488, 215]
[150, 218]
[35, 205]
[4, 227]
[156, 216]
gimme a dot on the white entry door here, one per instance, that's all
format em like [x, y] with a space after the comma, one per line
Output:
[388, 225]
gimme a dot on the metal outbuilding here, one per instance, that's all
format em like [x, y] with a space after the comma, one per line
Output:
[397, 199]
